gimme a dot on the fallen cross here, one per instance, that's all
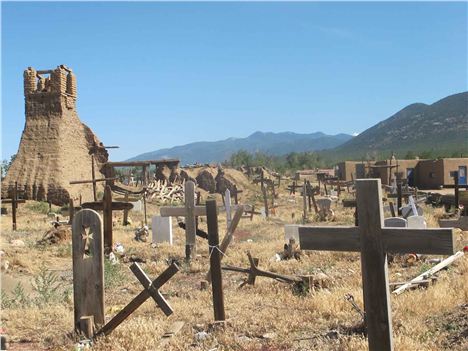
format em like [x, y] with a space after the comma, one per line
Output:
[151, 289]
[426, 275]
[374, 241]
[255, 272]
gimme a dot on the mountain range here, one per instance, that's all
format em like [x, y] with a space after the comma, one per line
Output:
[270, 143]
[441, 127]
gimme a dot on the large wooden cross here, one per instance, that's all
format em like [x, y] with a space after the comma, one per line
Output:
[107, 206]
[190, 212]
[374, 241]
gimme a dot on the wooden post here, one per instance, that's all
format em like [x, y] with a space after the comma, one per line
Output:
[265, 201]
[107, 214]
[304, 202]
[399, 195]
[392, 209]
[455, 181]
[71, 211]
[125, 214]
[144, 206]
[87, 326]
[14, 205]
[325, 187]
[93, 176]
[215, 260]
[190, 221]
[374, 266]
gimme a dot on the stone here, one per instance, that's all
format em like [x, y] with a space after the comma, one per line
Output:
[161, 228]
[395, 222]
[137, 206]
[416, 222]
[291, 231]
[407, 211]
[18, 243]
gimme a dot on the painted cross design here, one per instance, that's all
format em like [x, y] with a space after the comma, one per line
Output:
[87, 236]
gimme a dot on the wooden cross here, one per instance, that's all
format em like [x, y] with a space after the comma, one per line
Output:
[374, 241]
[151, 289]
[190, 212]
[107, 206]
[14, 201]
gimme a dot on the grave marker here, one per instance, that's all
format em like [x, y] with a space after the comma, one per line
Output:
[88, 267]
[161, 228]
[374, 241]
[395, 222]
[190, 212]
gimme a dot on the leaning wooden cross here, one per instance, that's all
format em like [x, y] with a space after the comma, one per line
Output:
[190, 212]
[374, 241]
[107, 206]
[151, 289]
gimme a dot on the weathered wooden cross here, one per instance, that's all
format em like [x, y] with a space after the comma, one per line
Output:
[190, 212]
[107, 206]
[374, 241]
[14, 201]
[151, 289]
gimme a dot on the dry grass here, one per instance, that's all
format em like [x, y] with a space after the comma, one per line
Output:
[267, 316]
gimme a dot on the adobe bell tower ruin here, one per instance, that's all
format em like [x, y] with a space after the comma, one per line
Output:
[55, 147]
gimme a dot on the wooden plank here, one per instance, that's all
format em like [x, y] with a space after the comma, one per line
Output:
[152, 290]
[88, 267]
[9, 201]
[429, 272]
[329, 238]
[181, 212]
[116, 206]
[71, 211]
[374, 265]
[433, 241]
[87, 326]
[91, 180]
[215, 261]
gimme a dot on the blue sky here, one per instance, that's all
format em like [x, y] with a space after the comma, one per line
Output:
[156, 75]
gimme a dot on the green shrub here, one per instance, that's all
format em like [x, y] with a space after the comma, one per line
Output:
[40, 207]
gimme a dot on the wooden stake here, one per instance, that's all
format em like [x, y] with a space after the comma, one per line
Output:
[71, 211]
[125, 214]
[93, 176]
[87, 326]
[107, 214]
[14, 206]
[215, 260]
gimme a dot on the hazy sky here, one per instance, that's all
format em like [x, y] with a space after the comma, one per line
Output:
[155, 75]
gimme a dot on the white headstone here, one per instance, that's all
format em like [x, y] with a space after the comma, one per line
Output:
[137, 206]
[417, 222]
[263, 212]
[395, 222]
[162, 229]
[291, 231]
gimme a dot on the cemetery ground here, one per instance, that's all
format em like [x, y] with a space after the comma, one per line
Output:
[37, 290]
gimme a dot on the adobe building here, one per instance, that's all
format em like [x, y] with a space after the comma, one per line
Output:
[55, 147]
[351, 170]
[424, 174]
[435, 173]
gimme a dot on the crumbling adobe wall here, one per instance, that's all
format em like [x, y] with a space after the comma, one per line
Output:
[55, 146]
